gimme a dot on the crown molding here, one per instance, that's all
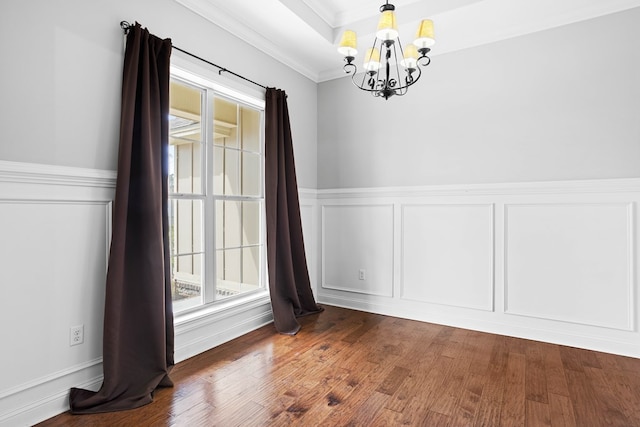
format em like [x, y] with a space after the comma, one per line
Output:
[311, 18]
[322, 10]
[222, 18]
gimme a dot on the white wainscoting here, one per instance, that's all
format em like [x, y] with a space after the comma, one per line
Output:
[447, 254]
[309, 217]
[554, 262]
[583, 269]
[551, 261]
[345, 265]
[55, 224]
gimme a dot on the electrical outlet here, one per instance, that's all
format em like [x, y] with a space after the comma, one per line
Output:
[361, 274]
[76, 335]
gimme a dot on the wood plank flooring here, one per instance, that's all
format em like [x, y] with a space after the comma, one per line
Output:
[349, 368]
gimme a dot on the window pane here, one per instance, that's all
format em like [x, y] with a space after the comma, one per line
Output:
[172, 168]
[185, 168]
[185, 226]
[229, 273]
[186, 246]
[232, 271]
[251, 223]
[251, 174]
[228, 224]
[188, 168]
[186, 281]
[226, 179]
[185, 101]
[238, 271]
[185, 139]
[220, 224]
[251, 267]
[251, 129]
[231, 172]
[172, 226]
[218, 170]
[225, 122]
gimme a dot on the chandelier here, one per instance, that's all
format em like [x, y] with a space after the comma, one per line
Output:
[388, 77]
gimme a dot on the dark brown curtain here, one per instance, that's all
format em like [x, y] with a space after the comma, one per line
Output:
[138, 317]
[289, 284]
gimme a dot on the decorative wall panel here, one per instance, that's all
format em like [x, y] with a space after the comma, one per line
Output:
[447, 254]
[358, 249]
[570, 262]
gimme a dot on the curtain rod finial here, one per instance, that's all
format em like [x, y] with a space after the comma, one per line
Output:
[125, 26]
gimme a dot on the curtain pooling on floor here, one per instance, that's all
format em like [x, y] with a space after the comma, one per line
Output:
[138, 316]
[289, 284]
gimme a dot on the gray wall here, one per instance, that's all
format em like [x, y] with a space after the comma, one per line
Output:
[561, 104]
[62, 67]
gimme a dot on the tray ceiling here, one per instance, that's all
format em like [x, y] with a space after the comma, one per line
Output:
[303, 34]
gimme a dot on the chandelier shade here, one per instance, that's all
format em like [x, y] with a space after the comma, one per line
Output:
[372, 59]
[424, 35]
[410, 59]
[348, 44]
[388, 68]
[387, 27]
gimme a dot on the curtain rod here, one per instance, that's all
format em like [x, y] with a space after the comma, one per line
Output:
[126, 26]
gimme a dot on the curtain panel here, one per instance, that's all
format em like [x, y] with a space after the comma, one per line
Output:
[138, 318]
[289, 284]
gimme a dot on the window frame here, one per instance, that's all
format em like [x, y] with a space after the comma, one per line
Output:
[211, 90]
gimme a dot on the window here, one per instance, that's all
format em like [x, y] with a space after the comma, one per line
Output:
[216, 201]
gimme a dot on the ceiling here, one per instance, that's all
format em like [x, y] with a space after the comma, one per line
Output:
[304, 34]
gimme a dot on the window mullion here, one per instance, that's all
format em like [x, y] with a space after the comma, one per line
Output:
[210, 211]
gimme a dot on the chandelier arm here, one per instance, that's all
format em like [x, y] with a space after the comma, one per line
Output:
[411, 83]
[419, 70]
[406, 86]
[362, 85]
[353, 70]
[383, 83]
[350, 68]
[424, 64]
[375, 91]
[419, 65]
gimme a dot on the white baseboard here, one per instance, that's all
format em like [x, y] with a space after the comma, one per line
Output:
[45, 397]
[579, 339]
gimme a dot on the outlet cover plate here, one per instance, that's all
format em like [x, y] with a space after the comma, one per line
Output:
[76, 335]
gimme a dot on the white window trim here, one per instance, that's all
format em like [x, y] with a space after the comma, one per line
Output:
[184, 69]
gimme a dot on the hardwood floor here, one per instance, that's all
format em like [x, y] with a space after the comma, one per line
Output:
[352, 368]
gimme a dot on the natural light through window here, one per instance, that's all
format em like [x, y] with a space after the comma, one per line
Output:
[216, 202]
